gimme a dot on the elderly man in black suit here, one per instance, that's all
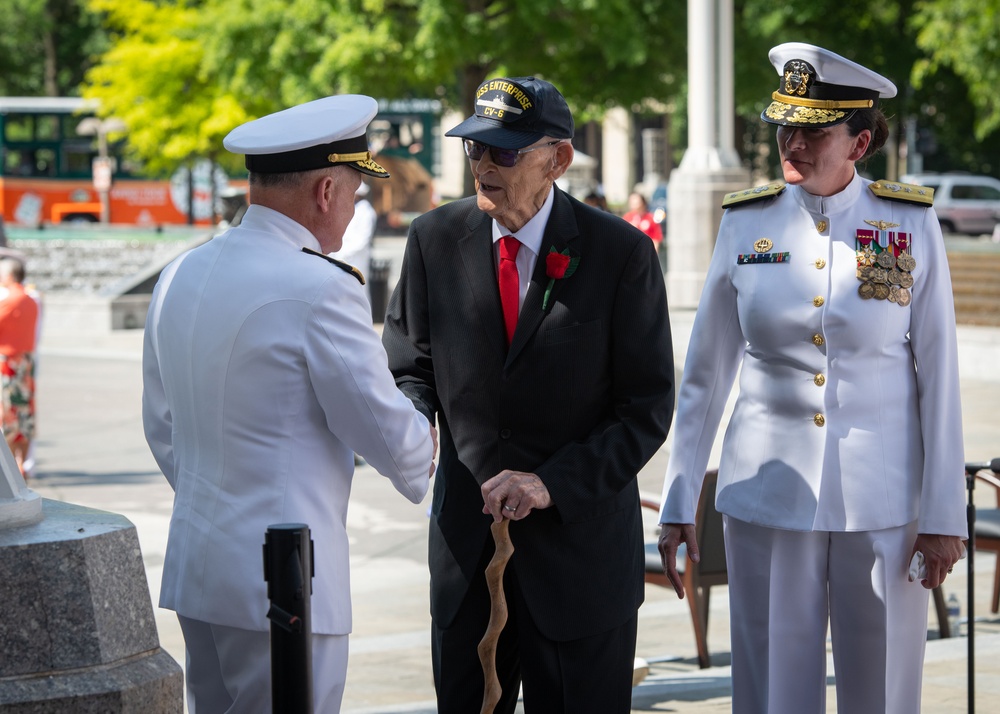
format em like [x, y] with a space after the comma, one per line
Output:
[535, 329]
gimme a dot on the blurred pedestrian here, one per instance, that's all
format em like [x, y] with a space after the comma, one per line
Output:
[262, 376]
[35, 294]
[18, 335]
[596, 200]
[830, 296]
[639, 215]
[356, 248]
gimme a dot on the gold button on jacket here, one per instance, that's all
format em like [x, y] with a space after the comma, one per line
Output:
[819, 420]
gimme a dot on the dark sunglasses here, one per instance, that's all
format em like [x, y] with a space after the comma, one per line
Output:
[501, 157]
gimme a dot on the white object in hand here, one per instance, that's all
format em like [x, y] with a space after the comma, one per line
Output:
[918, 568]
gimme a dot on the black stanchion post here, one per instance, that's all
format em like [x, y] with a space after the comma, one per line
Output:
[378, 288]
[288, 570]
[970, 482]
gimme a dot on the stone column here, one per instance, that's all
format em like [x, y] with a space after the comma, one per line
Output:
[710, 168]
[618, 177]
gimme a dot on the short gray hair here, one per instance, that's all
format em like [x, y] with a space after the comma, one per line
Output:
[291, 179]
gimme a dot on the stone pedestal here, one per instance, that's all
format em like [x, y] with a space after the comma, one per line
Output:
[695, 210]
[77, 632]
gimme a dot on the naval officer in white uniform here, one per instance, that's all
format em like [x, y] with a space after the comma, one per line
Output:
[844, 453]
[262, 378]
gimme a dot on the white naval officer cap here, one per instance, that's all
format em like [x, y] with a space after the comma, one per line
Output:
[820, 88]
[321, 133]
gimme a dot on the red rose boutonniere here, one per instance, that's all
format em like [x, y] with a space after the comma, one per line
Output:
[558, 265]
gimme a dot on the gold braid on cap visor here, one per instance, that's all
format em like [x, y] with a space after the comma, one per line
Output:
[371, 165]
[823, 103]
[802, 115]
[349, 158]
[812, 111]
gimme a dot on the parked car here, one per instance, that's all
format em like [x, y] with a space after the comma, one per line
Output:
[964, 203]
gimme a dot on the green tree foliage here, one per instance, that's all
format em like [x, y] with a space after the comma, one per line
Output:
[598, 52]
[964, 36]
[271, 54]
[873, 35]
[46, 46]
[153, 79]
[943, 55]
[946, 127]
[181, 74]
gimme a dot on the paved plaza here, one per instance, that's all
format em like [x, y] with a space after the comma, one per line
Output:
[91, 451]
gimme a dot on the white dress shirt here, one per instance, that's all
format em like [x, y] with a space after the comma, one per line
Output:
[530, 238]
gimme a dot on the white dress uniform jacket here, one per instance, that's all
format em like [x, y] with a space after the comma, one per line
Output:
[262, 377]
[848, 415]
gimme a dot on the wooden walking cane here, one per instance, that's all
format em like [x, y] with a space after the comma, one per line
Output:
[498, 614]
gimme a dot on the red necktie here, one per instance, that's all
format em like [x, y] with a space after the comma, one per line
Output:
[509, 283]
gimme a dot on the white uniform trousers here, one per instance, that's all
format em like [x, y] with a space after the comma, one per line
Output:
[229, 669]
[784, 587]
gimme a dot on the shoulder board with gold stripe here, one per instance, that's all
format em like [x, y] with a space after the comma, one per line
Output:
[908, 192]
[339, 263]
[753, 194]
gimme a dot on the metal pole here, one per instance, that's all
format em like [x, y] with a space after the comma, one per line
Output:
[288, 570]
[970, 482]
[104, 193]
[190, 194]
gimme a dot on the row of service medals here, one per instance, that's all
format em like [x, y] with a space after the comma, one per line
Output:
[884, 263]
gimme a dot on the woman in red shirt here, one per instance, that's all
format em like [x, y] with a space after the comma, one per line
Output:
[18, 318]
[639, 216]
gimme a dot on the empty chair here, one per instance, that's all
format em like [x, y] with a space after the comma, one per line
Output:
[698, 577]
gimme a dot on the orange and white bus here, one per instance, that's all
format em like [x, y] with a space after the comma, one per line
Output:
[47, 173]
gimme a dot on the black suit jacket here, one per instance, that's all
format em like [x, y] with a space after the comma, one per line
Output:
[583, 398]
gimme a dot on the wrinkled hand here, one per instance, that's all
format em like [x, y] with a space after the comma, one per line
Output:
[514, 495]
[671, 536]
[941, 552]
